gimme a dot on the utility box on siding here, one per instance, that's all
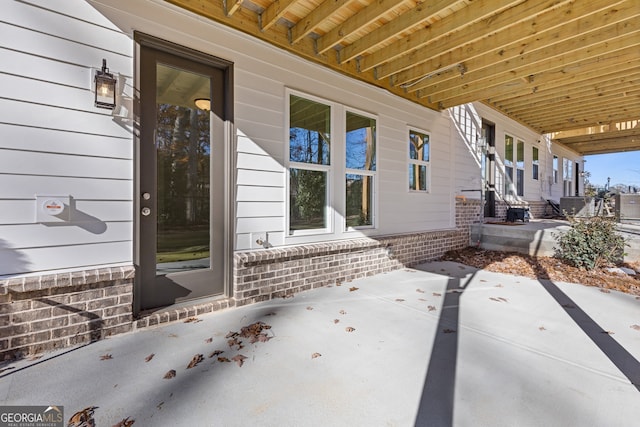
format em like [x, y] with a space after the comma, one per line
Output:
[577, 206]
[627, 207]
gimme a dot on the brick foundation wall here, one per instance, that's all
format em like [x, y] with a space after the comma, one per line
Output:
[281, 272]
[53, 311]
[43, 313]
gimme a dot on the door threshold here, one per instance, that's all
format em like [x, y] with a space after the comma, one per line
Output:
[183, 310]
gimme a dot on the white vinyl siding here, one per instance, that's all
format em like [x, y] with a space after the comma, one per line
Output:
[53, 141]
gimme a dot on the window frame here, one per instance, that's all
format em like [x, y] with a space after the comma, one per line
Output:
[362, 172]
[416, 162]
[535, 163]
[520, 167]
[328, 169]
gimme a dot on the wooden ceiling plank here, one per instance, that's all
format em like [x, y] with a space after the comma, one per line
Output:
[619, 144]
[510, 50]
[361, 19]
[599, 137]
[458, 29]
[585, 120]
[420, 15]
[317, 16]
[275, 11]
[616, 37]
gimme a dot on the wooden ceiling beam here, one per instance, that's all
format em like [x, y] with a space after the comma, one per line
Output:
[599, 137]
[420, 15]
[594, 118]
[545, 45]
[615, 144]
[470, 24]
[506, 42]
[358, 21]
[275, 11]
[231, 6]
[582, 72]
[317, 16]
[617, 37]
[617, 84]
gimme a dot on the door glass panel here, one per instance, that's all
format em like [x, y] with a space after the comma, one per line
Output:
[183, 149]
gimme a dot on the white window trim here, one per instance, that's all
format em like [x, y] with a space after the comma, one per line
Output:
[374, 174]
[411, 161]
[329, 169]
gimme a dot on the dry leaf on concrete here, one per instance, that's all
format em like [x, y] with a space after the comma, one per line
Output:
[349, 329]
[315, 355]
[196, 359]
[149, 357]
[106, 357]
[216, 353]
[239, 359]
[125, 422]
[170, 374]
[353, 288]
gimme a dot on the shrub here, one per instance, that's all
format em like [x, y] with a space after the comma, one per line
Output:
[590, 243]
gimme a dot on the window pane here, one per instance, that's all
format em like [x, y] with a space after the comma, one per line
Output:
[418, 177]
[359, 200]
[508, 150]
[535, 163]
[418, 146]
[520, 154]
[520, 182]
[361, 142]
[309, 131]
[308, 197]
[555, 169]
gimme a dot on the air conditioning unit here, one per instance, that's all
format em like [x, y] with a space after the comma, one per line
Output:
[627, 207]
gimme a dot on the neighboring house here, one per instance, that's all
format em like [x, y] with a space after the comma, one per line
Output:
[289, 176]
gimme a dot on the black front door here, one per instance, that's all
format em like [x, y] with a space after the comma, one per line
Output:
[181, 179]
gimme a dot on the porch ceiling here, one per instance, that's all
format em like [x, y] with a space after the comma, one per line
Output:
[552, 65]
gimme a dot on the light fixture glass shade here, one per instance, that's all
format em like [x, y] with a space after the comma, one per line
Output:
[203, 103]
[105, 88]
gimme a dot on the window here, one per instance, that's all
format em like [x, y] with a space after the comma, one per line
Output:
[535, 163]
[555, 169]
[567, 168]
[418, 161]
[360, 167]
[309, 164]
[520, 167]
[508, 165]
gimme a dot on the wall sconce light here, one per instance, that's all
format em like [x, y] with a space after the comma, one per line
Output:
[203, 103]
[105, 86]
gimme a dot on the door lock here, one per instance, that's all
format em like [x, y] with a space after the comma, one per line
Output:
[146, 211]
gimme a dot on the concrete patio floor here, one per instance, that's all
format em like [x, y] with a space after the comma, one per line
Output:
[439, 345]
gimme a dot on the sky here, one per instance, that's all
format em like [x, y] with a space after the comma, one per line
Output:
[622, 168]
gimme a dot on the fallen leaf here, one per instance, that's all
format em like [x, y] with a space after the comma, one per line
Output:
[437, 294]
[343, 312]
[231, 334]
[173, 336]
[270, 314]
[431, 308]
[126, 422]
[499, 285]
[568, 306]
[421, 299]
[606, 291]
[287, 296]
[159, 405]
[149, 357]
[192, 320]
[542, 328]
[482, 280]
[448, 331]
[494, 299]
[349, 329]
[239, 359]
[636, 327]
[309, 308]
[420, 291]
[353, 288]
[196, 359]
[170, 374]
[83, 417]
[106, 357]
[608, 332]
[399, 299]
[223, 359]
[208, 340]
[315, 355]
[216, 353]
[503, 299]
[336, 320]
